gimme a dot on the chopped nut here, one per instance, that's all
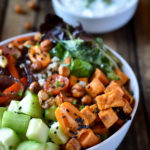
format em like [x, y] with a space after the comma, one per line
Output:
[34, 87]
[46, 45]
[3, 61]
[36, 66]
[28, 25]
[19, 9]
[32, 5]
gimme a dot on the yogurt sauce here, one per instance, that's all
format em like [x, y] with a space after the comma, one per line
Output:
[96, 8]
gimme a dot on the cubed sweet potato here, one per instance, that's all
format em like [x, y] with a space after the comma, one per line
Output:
[87, 138]
[95, 87]
[113, 85]
[127, 108]
[110, 99]
[108, 117]
[72, 80]
[98, 74]
[67, 60]
[127, 95]
[89, 114]
[122, 77]
[100, 129]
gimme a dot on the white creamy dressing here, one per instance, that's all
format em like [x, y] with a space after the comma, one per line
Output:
[96, 8]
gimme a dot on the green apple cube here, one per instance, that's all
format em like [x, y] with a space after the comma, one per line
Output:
[14, 106]
[49, 114]
[57, 134]
[51, 146]
[37, 130]
[2, 110]
[8, 138]
[30, 105]
[18, 122]
[30, 145]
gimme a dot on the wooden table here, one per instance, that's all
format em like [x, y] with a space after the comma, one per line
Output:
[131, 41]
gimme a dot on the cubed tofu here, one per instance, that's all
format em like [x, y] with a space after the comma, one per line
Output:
[95, 87]
[123, 78]
[108, 117]
[72, 80]
[90, 115]
[127, 108]
[113, 85]
[110, 99]
[98, 74]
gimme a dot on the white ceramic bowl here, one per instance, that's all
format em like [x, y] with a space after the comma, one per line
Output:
[100, 24]
[113, 141]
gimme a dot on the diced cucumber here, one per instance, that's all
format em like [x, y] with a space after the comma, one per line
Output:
[30, 105]
[8, 138]
[37, 130]
[49, 114]
[14, 106]
[57, 134]
[30, 145]
[51, 146]
[18, 122]
[2, 109]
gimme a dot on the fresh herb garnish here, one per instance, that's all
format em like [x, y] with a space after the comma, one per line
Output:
[81, 107]
[104, 137]
[57, 84]
[20, 93]
[75, 102]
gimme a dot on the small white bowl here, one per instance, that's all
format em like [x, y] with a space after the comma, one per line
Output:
[114, 140]
[96, 24]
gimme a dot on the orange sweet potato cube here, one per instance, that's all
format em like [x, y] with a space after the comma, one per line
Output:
[72, 80]
[98, 74]
[110, 99]
[95, 87]
[127, 108]
[123, 78]
[108, 117]
[89, 114]
[113, 85]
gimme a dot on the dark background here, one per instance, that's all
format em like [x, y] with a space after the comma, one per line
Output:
[132, 42]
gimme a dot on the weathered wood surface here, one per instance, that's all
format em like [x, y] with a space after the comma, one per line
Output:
[131, 41]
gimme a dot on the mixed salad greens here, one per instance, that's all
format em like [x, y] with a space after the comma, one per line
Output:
[60, 90]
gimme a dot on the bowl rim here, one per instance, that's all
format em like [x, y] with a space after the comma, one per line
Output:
[61, 7]
[124, 62]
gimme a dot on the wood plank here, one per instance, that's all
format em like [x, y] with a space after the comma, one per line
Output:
[3, 9]
[14, 23]
[142, 35]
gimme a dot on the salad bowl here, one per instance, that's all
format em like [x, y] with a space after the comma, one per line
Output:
[115, 139]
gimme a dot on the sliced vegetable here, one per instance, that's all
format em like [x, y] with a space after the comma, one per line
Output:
[57, 134]
[70, 119]
[51, 85]
[37, 130]
[8, 138]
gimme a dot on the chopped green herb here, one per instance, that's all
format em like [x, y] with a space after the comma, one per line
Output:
[38, 44]
[75, 102]
[89, 94]
[104, 137]
[50, 94]
[132, 93]
[20, 93]
[15, 56]
[81, 107]
[57, 83]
